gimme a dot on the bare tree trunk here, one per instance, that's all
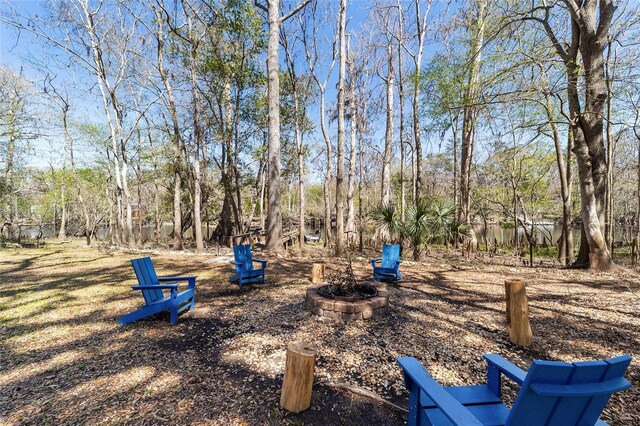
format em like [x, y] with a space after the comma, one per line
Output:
[327, 177]
[637, 238]
[111, 104]
[454, 129]
[197, 139]
[136, 127]
[470, 111]
[234, 158]
[263, 183]
[300, 156]
[298, 117]
[156, 192]
[125, 181]
[636, 132]
[9, 162]
[360, 206]
[587, 127]
[610, 144]
[351, 226]
[107, 101]
[110, 198]
[421, 25]
[177, 202]
[274, 214]
[88, 227]
[312, 54]
[590, 24]
[516, 223]
[569, 240]
[413, 172]
[197, 193]
[62, 233]
[301, 199]
[341, 132]
[388, 137]
[257, 193]
[362, 129]
[401, 102]
[566, 241]
[229, 169]
[140, 241]
[176, 145]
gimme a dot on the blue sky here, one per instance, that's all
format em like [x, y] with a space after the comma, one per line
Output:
[13, 53]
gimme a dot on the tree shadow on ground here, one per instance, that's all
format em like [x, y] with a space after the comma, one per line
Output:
[67, 361]
[150, 371]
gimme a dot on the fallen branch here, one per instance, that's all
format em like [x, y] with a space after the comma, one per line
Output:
[157, 417]
[632, 292]
[364, 392]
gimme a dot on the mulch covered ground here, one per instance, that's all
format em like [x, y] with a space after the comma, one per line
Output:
[64, 359]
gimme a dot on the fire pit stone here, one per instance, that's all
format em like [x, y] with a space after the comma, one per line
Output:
[347, 310]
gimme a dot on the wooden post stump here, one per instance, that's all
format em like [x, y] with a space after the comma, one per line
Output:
[317, 273]
[298, 377]
[518, 313]
[507, 298]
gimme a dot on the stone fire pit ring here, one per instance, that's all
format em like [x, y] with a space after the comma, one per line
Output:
[347, 310]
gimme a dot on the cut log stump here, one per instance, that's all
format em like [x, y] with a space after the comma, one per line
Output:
[518, 313]
[507, 294]
[317, 273]
[298, 377]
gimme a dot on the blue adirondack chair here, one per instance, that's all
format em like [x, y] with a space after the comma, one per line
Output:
[245, 272]
[389, 264]
[155, 300]
[551, 393]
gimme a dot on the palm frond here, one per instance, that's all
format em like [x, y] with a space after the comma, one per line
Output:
[442, 220]
[388, 222]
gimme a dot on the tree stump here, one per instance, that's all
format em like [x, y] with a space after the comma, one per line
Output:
[507, 298]
[317, 273]
[298, 377]
[518, 313]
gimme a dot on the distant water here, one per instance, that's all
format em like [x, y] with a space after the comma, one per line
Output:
[550, 232]
[494, 231]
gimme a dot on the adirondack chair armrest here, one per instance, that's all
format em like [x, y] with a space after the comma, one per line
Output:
[233, 262]
[582, 389]
[416, 375]
[172, 287]
[376, 260]
[169, 279]
[505, 367]
[191, 280]
[262, 261]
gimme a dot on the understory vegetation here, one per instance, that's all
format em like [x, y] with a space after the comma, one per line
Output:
[183, 125]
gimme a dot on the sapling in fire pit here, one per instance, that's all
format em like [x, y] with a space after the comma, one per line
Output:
[346, 285]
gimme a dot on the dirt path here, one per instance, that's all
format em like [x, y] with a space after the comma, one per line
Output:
[64, 359]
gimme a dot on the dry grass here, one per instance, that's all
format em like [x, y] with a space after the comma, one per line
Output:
[64, 359]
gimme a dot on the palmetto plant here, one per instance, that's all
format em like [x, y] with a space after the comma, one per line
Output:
[442, 221]
[417, 226]
[426, 221]
[388, 222]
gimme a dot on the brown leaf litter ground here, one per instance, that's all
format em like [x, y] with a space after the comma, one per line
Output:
[65, 360]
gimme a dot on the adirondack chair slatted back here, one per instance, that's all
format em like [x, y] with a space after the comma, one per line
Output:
[146, 275]
[242, 254]
[558, 393]
[390, 255]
